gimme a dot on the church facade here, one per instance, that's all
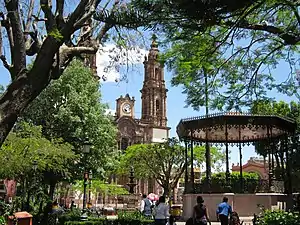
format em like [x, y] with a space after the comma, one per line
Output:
[152, 126]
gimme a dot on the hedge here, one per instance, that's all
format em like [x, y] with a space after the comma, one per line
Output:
[124, 218]
[219, 185]
[279, 217]
[102, 221]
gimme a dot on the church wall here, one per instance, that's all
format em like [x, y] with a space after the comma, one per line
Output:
[159, 135]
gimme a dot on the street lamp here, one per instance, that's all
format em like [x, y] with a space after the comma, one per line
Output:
[86, 146]
[34, 165]
[90, 187]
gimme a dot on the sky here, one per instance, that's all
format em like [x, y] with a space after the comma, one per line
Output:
[176, 109]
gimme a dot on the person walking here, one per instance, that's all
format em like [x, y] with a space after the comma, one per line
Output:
[146, 206]
[161, 212]
[224, 210]
[200, 215]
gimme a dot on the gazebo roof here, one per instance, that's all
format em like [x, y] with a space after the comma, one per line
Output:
[241, 127]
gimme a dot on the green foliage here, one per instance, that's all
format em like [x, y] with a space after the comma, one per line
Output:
[164, 162]
[27, 145]
[217, 157]
[70, 108]
[283, 109]
[20, 151]
[127, 215]
[72, 215]
[183, 59]
[279, 218]
[2, 220]
[123, 221]
[243, 42]
[99, 186]
[219, 184]
[55, 33]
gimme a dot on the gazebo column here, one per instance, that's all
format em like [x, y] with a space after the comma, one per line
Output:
[192, 168]
[208, 162]
[289, 178]
[227, 158]
[270, 159]
[241, 161]
[241, 168]
[186, 176]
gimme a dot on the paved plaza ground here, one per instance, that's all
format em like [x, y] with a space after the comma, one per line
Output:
[215, 223]
[247, 221]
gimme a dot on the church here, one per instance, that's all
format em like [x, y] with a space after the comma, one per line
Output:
[152, 126]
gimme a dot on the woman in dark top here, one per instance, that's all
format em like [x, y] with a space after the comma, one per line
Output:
[200, 215]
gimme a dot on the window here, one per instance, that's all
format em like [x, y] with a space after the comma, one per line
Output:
[157, 105]
[157, 77]
[124, 143]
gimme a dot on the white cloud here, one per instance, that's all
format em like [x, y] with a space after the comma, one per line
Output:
[110, 112]
[110, 60]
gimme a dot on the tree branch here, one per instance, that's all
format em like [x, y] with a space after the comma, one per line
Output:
[5, 63]
[18, 50]
[59, 8]
[29, 15]
[90, 9]
[46, 8]
[289, 39]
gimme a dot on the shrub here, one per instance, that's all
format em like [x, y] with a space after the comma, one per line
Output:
[102, 221]
[279, 217]
[219, 184]
[133, 215]
[2, 220]
[72, 215]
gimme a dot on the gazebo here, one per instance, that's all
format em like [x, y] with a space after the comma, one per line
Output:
[234, 128]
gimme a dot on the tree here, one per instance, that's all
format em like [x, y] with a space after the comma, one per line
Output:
[52, 40]
[251, 38]
[21, 151]
[165, 162]
[99, 186]
[283, 109]
[70, 108]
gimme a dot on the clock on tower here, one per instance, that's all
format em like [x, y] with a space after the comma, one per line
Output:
[125, 106]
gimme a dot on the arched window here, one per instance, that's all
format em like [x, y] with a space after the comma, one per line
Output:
[124, 143]
[157, 106]
[157, 74]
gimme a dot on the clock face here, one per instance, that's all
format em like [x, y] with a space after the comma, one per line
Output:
[126, 108]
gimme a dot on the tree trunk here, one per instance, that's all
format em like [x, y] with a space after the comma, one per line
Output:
[52, 190]
[26, 87]
[167, 190]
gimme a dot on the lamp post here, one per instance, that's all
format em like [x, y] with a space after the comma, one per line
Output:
[90, 186]
[86, 150]
[34, 165]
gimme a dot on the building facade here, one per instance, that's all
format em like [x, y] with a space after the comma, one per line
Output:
[152, 126]
[254, 165]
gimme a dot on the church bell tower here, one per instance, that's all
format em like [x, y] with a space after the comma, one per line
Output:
[154, 92]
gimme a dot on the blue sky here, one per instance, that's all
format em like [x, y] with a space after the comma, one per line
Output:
[175, 100]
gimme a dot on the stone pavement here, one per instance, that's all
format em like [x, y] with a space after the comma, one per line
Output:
[247, 221]
[214, 223]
